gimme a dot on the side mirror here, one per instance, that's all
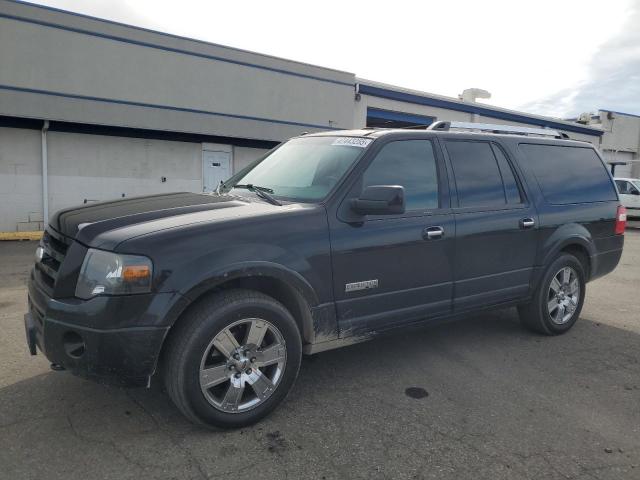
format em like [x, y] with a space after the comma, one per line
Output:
[380, 200]
[635, 192]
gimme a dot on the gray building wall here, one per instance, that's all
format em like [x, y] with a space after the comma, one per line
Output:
[89, 72]
[621, 141]
[76, 69]
[129, 106]
[20, 180]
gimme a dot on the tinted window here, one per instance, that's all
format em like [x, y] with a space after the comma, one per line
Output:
[511, 190]
[476, 172]
[410, 163]
[569, 174]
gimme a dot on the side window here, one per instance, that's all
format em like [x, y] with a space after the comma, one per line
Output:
[568, 174]
[411, 164]
[626, 188]
[511, 190]
[623, 187]
[477, 176]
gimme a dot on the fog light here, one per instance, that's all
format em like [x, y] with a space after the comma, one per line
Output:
[73, 344]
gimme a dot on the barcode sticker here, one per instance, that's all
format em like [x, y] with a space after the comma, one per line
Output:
[352, 142]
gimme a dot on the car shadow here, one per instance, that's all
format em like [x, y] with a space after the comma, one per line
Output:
[479, 390]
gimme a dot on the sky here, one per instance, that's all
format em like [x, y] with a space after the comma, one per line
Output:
[551, 57]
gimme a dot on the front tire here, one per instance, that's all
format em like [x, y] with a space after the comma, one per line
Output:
[232, 359]
[558, 300]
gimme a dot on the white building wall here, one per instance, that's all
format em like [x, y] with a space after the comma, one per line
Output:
[621, 170]
[243, 156]
[20, 180]
[622, 132]
[87, 167]
[621, 141]
[93, 168]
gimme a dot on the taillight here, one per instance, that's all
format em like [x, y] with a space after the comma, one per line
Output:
[621, 220]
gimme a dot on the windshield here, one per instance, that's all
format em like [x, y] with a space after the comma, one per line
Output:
[305, 168]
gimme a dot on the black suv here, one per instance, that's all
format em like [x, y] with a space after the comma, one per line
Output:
[328, 240]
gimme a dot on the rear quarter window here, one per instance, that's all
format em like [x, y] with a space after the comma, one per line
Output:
[568, 174]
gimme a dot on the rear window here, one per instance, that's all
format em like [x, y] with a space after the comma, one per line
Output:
[569, 174]
[482, 174]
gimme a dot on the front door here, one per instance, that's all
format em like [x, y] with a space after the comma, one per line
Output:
[394, 269]
[216, 168]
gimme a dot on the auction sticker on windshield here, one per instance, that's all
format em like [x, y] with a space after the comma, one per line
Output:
[352, 142]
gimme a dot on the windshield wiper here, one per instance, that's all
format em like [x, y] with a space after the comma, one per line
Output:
[262, 192]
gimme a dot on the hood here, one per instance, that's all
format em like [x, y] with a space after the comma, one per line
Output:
[147, 214]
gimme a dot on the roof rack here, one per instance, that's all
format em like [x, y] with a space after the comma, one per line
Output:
[442, 126]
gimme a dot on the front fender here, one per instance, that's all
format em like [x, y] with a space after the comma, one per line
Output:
[252, 269]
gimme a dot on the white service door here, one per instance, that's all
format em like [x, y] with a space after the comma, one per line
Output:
[216, 167]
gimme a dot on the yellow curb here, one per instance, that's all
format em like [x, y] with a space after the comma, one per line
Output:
[20, 235]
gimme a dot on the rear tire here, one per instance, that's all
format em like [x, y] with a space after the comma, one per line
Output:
[558, 299]
[232, 358]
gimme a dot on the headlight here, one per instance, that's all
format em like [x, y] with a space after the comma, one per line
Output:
[113, 274]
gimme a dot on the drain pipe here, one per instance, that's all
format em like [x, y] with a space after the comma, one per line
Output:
[45, 176]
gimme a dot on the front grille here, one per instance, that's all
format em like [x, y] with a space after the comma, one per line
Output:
[55, 249]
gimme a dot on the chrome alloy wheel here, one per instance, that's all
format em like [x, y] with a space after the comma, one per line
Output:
[563, 296]
[242, 365]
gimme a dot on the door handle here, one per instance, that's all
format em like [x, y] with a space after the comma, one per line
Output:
[432, 233]
[526, 223]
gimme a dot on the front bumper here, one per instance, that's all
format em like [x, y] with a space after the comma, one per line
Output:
[114, 340]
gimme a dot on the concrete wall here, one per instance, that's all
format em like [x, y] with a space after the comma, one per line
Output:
[243, 156]
[67, 70]
[87, 167]
[622, 132]
[93, 168]
[621, 141]
[621, 170]
[20, 180]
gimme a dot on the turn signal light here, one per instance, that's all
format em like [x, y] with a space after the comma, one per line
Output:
[134, 273]
[621, 220]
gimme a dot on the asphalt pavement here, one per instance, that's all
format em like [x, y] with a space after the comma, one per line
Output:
[480, 398]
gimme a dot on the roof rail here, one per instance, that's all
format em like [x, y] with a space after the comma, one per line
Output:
[442, 126]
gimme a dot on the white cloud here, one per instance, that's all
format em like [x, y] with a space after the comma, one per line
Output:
[612, 80]
[520, 51]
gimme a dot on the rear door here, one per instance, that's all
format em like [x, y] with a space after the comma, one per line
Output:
[495, 246]
[389, 270]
